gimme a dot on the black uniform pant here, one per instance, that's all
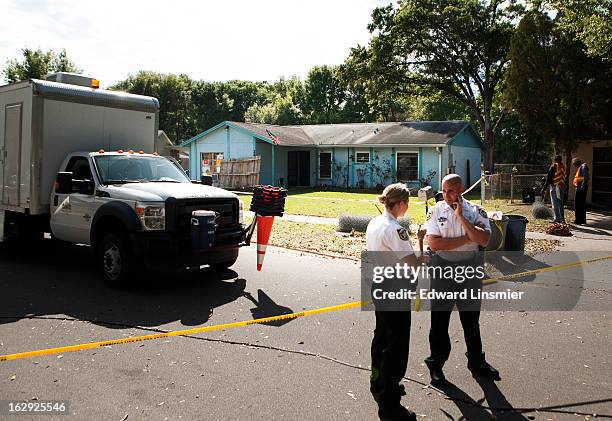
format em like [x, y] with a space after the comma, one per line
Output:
[439, 340]
[441, 311]
[390, 348]
[580, 205]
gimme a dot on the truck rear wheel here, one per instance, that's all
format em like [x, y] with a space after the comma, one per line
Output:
[117, 260]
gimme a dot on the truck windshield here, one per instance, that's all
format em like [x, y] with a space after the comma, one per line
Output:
[138, 169]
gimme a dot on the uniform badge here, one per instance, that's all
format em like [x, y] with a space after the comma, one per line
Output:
[403, 234]
[429, 214]
[482, 212]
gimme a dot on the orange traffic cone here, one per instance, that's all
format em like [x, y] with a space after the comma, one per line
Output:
[264, 228]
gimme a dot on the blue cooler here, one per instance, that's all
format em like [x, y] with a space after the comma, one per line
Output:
[203, 228]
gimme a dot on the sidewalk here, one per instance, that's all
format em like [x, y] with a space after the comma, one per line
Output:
[597, 235]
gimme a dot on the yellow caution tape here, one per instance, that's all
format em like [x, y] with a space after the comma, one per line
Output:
[417, 301]
[100, 344]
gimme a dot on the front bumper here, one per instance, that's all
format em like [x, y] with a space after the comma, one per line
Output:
[166, 248]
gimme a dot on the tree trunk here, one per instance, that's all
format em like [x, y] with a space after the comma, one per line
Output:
[489, 139]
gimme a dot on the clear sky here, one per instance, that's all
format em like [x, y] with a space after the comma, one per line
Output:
[209, 40]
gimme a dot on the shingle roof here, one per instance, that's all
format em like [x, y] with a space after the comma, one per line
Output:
[431, 133]
[391, 133]
[288, 135]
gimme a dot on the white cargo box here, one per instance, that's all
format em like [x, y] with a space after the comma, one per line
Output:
[41, 122]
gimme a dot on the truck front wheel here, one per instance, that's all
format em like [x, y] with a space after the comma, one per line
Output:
[224, 265]
[116, 259]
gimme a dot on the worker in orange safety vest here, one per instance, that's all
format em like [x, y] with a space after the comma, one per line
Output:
[555, 180]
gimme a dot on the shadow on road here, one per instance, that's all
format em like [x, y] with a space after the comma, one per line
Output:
[60, 279]
[473, 410]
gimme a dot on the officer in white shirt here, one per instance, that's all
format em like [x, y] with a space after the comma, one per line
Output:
[390, 345]
[456, 228]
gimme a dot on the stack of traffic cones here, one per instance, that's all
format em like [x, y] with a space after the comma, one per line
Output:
[268, 202]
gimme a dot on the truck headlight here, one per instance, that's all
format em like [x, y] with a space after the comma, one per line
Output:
[240, 212]
[153, 218]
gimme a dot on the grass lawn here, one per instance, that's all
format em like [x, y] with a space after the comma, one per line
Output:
[332, 204]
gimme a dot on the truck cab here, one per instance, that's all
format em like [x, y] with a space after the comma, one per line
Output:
[134, 207]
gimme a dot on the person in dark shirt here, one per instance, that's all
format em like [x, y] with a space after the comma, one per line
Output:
[581, 182]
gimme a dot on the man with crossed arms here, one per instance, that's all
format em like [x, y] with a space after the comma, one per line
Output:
[456, 225]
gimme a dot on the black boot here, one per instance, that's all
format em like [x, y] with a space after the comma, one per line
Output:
[395, 412]
[435, 372]
[390, 408]
[478, 365]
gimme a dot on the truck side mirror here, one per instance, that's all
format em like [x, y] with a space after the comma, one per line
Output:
[63, 182]
[207, 180]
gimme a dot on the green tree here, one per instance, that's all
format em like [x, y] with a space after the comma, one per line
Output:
[36, 64]
[176, 112]
[554, 86]
[323, 96]
[590, 21]
[436, 106]
[212, 104]
[280, 111]
[280, 106]
[458, 47]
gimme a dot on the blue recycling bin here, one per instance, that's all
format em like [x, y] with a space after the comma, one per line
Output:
[203, 229]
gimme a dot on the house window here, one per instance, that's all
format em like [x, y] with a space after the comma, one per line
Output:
[407, 166]
[325, 165]
[211, 162]
[362, 157]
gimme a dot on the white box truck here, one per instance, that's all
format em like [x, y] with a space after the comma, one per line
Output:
[79, 163]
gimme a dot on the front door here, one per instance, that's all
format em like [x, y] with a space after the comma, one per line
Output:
[71, 214]
[602, 176]
[298, 168]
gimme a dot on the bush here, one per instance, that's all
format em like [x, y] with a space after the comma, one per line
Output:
[541, 211]
[350, 223]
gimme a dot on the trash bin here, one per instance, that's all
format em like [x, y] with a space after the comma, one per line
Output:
[203, 228]
[515, 233]
[529, 194]
[498, 234]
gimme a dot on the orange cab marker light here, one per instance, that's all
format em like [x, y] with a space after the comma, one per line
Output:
[155, 153]
[95, 84]
[130, 151]
[141, 152]
[120, 151]
[101, 151]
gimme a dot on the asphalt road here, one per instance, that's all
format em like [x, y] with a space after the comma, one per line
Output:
[313, 367]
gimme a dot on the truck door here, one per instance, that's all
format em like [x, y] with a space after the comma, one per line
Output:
[71, 214]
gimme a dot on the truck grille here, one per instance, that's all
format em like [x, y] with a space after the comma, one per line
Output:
[178, 213]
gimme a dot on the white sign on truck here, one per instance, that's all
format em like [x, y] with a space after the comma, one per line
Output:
[77, 162]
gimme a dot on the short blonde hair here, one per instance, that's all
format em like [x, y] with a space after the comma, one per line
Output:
[394, 194]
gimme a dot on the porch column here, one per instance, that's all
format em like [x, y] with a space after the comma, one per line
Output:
[273, 165]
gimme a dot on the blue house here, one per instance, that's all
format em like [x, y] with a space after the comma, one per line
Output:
[356, 155]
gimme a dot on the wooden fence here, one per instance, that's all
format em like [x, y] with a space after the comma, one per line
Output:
[240, 173]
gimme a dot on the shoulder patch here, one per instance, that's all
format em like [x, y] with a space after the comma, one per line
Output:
[403, 234]
[482, 212]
